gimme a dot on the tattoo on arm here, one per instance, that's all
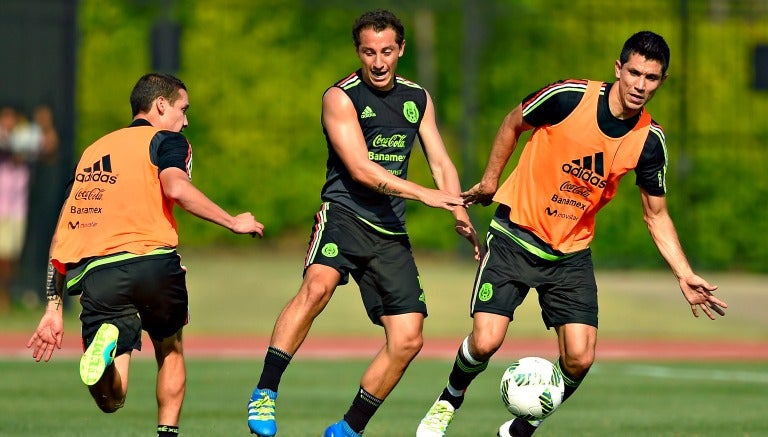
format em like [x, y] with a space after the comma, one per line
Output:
[53, 286]
[384, 189]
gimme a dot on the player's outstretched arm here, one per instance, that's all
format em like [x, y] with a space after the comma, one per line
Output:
[504, 144]
[444, 173]
[697, 291]
[178, 187]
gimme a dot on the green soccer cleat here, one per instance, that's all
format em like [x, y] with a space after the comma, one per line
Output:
[99, 355]
[437, 420]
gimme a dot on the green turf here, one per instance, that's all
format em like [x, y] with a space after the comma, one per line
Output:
[626, 399]
[242, 293]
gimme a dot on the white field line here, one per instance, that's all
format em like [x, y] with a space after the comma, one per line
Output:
[698, 374]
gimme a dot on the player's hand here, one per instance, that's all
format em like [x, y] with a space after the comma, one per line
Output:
[479, 194]
[48, 335]
[245, 223]
[466, 230]
[440, 199]
[698, 293]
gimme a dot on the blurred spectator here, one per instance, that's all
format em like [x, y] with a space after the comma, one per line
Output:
[42, 119]
[14, 179]
[42, 210]
[22, 145]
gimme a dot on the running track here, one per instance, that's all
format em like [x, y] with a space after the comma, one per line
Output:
[13, 345]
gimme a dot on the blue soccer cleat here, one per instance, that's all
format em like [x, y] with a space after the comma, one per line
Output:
[340, 429]
[261, 413]
[99, 355]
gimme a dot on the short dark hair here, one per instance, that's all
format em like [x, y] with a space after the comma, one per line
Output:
[649, 45]
[378, 20]
[151, 86]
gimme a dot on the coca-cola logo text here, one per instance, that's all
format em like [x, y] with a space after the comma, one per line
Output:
[580, 190]
[92, 194]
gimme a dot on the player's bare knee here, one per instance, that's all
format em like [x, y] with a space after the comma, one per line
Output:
[482, 348]
[315, 294]
[407, 348]
[577, 365]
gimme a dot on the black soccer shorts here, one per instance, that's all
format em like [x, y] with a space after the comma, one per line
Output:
[566, 287]
[381, 264]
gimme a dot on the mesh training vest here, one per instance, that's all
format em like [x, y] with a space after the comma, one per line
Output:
[116, 203]
[567, 172]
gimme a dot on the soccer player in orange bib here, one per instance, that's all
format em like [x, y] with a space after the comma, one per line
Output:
[587, 135]
[115, 246]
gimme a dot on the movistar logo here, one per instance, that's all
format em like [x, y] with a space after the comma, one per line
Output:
[78, 225]
[561, 215]
[99, 171]
[588, 168]
[367, 113]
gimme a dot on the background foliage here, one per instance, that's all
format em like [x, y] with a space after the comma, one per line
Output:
[256, 71]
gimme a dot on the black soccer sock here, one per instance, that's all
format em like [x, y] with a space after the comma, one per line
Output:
[167, 431]
[571, 383]
[521, 428]
[275, 363]
[363, 407]
[465, 369]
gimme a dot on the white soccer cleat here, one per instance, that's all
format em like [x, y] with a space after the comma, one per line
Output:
[504, 429]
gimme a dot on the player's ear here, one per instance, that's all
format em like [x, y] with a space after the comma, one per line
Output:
[617, 68]
[160, 104]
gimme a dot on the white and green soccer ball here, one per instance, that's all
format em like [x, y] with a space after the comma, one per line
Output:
[532, 388]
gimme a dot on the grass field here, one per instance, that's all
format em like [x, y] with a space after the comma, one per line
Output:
[661, 399]
[241, 292]
[649, 399]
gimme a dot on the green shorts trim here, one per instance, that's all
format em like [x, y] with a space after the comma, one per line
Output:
[73, 282]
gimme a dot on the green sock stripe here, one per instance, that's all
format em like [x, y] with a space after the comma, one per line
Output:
[570, 382]
[469, 368]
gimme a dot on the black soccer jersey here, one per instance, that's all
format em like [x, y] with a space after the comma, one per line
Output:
[390, 122]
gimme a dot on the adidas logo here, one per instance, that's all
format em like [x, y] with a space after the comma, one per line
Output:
[100, 171]
[588, 168]
[367, 113]
[105, 161]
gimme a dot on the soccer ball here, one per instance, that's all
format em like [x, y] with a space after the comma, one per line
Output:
[532, 388]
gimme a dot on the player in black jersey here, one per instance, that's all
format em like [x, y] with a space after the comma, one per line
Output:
[370, 120]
